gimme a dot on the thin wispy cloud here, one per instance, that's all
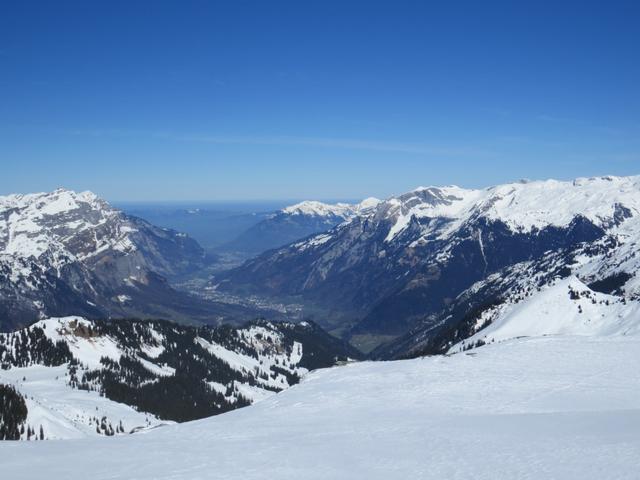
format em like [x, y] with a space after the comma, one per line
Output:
[342, 143]
[295, 141]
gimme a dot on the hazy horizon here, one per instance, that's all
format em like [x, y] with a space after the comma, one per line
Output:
[283, 201]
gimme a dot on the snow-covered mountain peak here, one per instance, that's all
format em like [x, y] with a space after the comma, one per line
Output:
[78, 244]
[432, 188]
[431, 197]
[320, 209]
[367, 203]
[56, 202]
[313, 207]
[409, 264]
[427, 202]
[428, 214]
[299, 221]
[522, 206]
[551, 202]
[35, 223]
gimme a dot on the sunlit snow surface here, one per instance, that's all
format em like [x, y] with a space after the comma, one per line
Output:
[546, 407]
[552, 311]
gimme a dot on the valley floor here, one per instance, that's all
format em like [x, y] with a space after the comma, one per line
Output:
[547, 407]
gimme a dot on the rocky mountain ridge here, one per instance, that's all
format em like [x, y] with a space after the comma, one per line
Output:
[400, 265]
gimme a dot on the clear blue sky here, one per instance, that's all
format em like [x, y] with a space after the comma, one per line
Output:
[205, 100]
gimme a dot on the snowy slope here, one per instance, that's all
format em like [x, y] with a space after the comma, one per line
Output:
[561, 407]
[615, 254]
[64, 412]
[566, 307]
[588, 288]
[73, 371]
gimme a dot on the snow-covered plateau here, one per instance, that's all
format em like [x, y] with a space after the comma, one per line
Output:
[543, 407]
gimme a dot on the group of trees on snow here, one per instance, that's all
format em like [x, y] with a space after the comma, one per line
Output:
[13, 414]
[186, 391]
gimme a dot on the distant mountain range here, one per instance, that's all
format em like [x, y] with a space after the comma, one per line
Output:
[423, 270]
[413, 274]
[71, 377]
[296, 222]
[69, 253]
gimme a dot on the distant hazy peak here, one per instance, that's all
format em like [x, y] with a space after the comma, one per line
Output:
[321, 209]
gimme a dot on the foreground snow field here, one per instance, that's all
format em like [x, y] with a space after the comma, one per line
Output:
[547, 407]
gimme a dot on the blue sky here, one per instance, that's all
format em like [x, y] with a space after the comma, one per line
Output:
[205, 100]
